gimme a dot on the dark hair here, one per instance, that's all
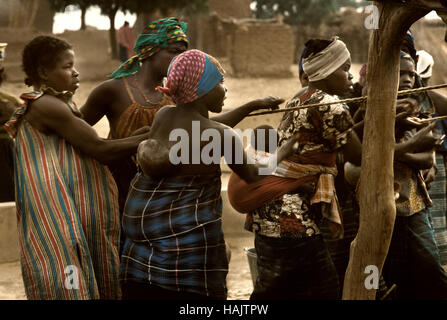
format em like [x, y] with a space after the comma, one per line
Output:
[42, 51]
[314, 46]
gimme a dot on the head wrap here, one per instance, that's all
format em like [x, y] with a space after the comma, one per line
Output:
[425, 64]
[157, 35]
[320, 65]
[405, 55]
[409, 44]
[191, 75]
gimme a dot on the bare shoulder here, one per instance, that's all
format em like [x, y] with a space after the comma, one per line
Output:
[222, 128]
[48, 112]
[107, 89]
[49, 106]
[164, 113]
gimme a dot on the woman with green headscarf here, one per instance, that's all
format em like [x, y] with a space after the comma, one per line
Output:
[129, 100]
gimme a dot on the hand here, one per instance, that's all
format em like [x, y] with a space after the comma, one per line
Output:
[429, 176]
[408, 105]
[404, 120]
[268, 102]
[424, 140]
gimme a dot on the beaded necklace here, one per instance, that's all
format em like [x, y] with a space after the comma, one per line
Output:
[146, 99]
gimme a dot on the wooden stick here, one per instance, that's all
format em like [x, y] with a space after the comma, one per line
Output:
[428, 120]
[358, 99]
[394, 286]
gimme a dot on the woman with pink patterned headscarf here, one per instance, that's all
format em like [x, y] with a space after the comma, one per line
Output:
[174, 244]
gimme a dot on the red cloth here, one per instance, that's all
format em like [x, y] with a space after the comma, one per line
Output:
[246, 197]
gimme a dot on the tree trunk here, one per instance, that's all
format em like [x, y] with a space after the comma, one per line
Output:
[33, 7]
[83, 12]
[44, 17]
[112, 34]
[143, 19]
[15, 9]
[376, 193]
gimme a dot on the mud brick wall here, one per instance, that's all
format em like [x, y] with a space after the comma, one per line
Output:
[261, 49]
[237, 9]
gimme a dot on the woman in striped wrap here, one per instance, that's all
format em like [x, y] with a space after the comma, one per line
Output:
[67, 205]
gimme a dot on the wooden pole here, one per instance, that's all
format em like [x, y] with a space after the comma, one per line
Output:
[376, 193]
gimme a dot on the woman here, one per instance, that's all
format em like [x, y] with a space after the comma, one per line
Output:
[174, 244]
[66, 199]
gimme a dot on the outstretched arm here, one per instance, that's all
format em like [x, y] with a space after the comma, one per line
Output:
[421, 160]
[439, 101]
[254, 172]
[233, 117]
[49, 114]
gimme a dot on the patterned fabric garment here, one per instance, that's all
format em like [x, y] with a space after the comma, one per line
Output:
[438, 191]
[413, 194]
[321, 130]
[191, 75]
[136, 115]
[68, 219]
[157, 35]
[174, 237]
[437, 213]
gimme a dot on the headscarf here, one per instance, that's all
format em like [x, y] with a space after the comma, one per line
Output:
[191, 75]
[408, 43]
[405, 55]
[425, 64]
[157, 35]
[319, 66]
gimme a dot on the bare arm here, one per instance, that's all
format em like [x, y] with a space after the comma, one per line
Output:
[352, 150]
[254, 172]
[233, 117]
[422, 141]
[50, 114]
[421, 160]
[440, 102]
[97, 103]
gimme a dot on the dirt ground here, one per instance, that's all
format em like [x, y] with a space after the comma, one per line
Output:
[239, 280]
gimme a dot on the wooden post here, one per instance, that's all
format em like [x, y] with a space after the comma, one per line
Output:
[376, 193]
